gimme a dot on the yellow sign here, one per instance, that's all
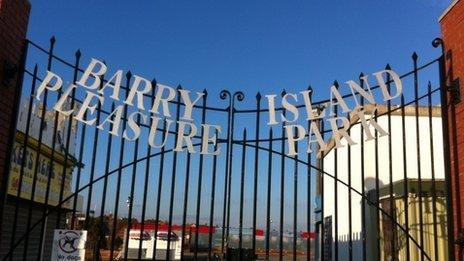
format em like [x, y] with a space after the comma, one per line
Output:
[47, 171]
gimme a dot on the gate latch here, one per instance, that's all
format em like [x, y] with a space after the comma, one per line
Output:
[455, 91]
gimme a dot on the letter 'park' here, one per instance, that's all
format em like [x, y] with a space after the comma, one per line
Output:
[98, 162]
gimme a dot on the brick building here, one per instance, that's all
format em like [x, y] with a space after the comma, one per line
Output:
[452, 26]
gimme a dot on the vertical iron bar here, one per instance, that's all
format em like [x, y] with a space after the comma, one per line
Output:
[50, 171]
[173, 179]
[256, 165]
[308, 214]
[68, 136]
[81, 153]
[377, 186]
[118, 182]
[242, 184]
[295, 200]
[184, 216]
[269, 181]
[131, 197]
[96, 137]
[105, 183]
[160, 185]
[22, 160]
[230, 158]
[350, 225]
[147, 177]
[363, 192]
[419, 172]
[200, 176]
[229, 145]
[405, 177]
[309, 169]
[432, 166]
[226, 182]
[446, 146]
[390, 175]
[34, 182]
[336, 186]
[282, 183]
[321, 175]
[213, 194]
[230, 136]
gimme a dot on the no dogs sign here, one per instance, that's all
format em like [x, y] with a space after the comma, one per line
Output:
[69, 244]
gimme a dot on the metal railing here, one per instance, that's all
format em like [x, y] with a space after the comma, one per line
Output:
[248, 187]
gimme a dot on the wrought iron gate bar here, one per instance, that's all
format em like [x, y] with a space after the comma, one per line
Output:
[390, 167]
[418, 150]
[15, 219]
[432, 167]
[377, 186]
[200, 178]
[405, 175]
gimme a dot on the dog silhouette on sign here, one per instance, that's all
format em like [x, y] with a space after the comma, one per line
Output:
[67, 242]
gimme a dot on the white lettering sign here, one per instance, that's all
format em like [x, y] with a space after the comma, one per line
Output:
[155, 111]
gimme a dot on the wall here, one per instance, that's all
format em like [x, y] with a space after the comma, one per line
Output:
[383, 178]
[452, 26]
[14, 15]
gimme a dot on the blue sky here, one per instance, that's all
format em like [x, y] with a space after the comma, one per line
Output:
[252, 46]
[255, 46]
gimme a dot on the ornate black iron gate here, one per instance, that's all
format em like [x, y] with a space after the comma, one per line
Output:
[382, 199]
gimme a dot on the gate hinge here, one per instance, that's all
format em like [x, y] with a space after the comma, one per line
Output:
[455, 91]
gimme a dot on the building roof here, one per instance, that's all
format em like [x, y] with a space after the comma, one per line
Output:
[448, 9]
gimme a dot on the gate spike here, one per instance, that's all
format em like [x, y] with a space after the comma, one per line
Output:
[153, 82]
[414, 56]
[129, 75]
[283, 92]
[52, 39]
[258, 96]
[388, 67]
[205, 92]
[310, 89]
[335, 83]
[78, 53]
[179, 87]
